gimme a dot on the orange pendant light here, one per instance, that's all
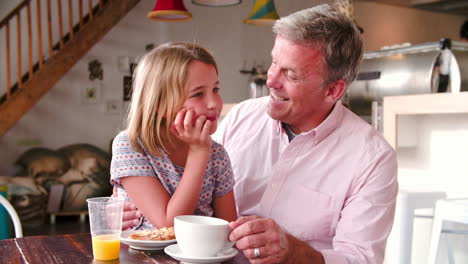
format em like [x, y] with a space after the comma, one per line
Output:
[169, 10]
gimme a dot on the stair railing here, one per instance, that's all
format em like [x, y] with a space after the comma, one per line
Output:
[32, 9]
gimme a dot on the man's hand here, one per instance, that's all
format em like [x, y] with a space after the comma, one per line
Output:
[131, 216]
[253, 232]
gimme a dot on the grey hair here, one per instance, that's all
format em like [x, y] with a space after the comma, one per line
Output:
[333, 31]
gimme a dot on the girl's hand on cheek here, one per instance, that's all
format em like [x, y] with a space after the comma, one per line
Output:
[177, 125]
[193, 132]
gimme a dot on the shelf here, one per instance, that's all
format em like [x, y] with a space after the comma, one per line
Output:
[440, 103]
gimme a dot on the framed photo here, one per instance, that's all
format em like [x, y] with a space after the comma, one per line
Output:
[127, 88]
[90, 93]
[114, 107]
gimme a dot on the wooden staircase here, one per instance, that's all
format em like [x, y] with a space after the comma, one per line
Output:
[31, 84]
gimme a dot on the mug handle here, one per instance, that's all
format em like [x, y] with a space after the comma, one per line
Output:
[229, 245]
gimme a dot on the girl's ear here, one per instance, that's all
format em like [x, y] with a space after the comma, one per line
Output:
[335, 90]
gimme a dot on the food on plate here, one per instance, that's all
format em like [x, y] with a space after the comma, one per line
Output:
[165, 233]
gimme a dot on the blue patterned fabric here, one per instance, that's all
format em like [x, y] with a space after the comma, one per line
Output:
[126, 161]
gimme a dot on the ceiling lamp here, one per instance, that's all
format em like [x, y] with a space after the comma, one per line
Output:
[217, 2]
[263, 13]
[169, 10]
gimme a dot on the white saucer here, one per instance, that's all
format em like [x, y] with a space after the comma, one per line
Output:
[144, 244]
[175, 252]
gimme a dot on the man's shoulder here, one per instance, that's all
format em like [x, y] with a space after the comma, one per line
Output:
[245, 116]
[364, 133]
[252, 106]
[250, 109]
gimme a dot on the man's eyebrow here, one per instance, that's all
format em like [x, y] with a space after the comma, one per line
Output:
[285, 68]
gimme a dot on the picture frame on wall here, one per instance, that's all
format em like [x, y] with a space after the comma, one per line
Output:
[127, 88]
[91, 93]
[114, 107]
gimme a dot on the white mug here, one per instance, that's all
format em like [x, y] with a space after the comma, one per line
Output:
[201, 236]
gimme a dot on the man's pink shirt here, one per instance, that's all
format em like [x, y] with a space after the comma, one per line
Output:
[333, 187]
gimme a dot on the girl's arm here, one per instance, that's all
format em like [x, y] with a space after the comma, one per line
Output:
[148, 193]
[155, 203]
[225, 207]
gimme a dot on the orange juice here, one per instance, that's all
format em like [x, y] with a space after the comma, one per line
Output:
[106, 247]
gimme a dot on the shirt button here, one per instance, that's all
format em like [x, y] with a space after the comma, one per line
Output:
[273, 186]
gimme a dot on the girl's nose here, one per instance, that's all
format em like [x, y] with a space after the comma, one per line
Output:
[213, 101]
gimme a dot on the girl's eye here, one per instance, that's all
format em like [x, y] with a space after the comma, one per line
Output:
[216, 89]
[197, 94]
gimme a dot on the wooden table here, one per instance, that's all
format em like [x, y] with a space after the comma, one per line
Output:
[75, 248]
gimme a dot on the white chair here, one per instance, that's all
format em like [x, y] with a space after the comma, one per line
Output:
[13, 215]
[401, 237]
[454, 210]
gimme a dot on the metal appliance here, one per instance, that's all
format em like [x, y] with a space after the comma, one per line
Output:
[257, 81]
[454, 7]
[425, 68]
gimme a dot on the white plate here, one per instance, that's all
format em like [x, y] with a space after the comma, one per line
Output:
[144, 244]
[175, 252]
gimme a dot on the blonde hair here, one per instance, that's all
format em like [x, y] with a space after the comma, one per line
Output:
[159, 92]
[338, 36]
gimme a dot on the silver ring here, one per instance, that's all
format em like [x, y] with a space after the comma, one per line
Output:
[257, 252]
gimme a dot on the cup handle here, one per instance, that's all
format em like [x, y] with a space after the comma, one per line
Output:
[229, 245]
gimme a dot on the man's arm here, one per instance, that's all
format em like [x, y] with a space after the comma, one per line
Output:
[366, 218]
[301, 252]
[360, 235]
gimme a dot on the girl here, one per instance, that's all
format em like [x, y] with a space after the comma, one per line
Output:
[165, 160]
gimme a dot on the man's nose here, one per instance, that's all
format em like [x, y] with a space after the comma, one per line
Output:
[273, 78]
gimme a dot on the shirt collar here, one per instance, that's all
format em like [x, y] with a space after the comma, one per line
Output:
[325, 128]
[330, 123]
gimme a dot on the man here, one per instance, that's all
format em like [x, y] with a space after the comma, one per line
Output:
[314, 182]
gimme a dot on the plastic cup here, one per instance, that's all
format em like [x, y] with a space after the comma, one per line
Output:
[105, 220]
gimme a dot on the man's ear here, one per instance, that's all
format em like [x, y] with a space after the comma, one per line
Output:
[335, 90]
